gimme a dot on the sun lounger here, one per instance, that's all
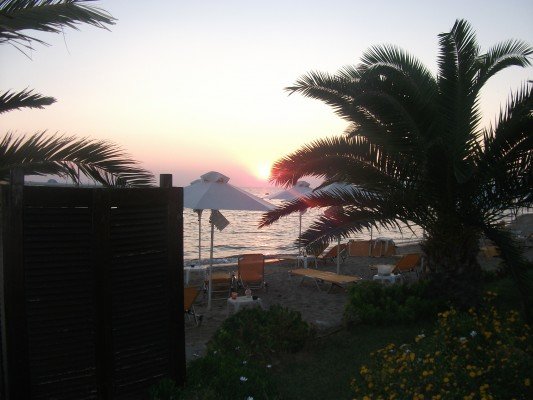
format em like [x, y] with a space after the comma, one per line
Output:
[359, 248]
[324, 276]
[189, 297]
[383, 247]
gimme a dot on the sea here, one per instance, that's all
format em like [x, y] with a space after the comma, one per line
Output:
[242, 235]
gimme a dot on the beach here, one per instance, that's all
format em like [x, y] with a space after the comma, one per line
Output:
[322, 308]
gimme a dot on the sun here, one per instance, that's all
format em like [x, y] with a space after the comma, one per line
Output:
[262, 171]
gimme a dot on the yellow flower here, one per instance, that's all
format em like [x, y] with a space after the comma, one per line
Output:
[366, 398]
[527, 382]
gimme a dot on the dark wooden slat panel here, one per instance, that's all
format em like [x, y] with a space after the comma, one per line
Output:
[114, 251]
[59, 302]
[140, 298]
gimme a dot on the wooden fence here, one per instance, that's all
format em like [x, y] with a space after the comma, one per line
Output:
[92, 291]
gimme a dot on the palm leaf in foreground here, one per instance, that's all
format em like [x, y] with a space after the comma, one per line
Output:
[10, 101]
[46, 16]
[72, 157]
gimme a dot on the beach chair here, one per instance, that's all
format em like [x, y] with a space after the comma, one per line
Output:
[324, 276]
[383, 247]
[251, 271]
[189, 297]
[490, 251]
[221, 282]
[409, 263]
[359, 248]
[334, 252]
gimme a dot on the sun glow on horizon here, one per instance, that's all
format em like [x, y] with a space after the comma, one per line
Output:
[262, 171]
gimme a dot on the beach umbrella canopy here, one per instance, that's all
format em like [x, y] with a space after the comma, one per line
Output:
[212, 191]
[301, 189]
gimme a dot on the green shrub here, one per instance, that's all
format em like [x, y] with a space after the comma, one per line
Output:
[221, 375]
[241, 353]
[479, 354]
[373, 303]
[259, 334]
[165, 389]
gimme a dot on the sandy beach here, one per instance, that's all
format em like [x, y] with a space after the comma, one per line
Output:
[322, 308]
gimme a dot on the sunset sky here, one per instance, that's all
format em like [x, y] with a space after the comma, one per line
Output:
[192, 86]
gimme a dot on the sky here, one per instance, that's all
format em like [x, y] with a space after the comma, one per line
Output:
[186, 87]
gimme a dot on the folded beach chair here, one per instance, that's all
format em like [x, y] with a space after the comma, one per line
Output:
[359, 248]
[324, 276]
[251, 271]
[189, 297]
[316, 249]
[336, 251]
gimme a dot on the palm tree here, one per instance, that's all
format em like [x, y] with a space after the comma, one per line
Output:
[415, 145]
[62, 155]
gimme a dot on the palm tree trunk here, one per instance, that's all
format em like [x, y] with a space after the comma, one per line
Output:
[451, 251]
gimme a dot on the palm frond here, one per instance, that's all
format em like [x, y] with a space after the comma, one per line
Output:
[46, 16]
[40, 154]
[351, 159]
[336, 91]
[503, 55]
[25, 99]
[458, 67]
[505, 167]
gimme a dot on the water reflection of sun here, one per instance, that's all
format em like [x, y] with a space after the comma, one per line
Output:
[262, 171]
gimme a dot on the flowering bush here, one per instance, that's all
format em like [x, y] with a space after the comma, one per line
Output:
[376, 304]
[479, 354]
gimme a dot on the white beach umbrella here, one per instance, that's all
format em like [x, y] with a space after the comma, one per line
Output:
[212, 191]
[301, 189]
[332, 210]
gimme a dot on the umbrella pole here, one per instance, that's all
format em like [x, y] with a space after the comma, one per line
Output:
[210, 267]
[338, 255]
[300, 237]
[199, 236]
[370, 247]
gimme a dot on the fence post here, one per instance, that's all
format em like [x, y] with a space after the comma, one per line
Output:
[16, 368]
[165, 180]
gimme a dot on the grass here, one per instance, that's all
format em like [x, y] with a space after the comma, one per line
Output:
[324, 370]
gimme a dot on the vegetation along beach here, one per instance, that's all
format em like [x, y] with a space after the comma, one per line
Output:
[182, 219]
